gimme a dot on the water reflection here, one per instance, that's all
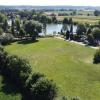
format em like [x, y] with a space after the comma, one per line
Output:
[55, 28]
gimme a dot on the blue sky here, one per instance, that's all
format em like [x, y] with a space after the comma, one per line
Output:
[51, 2]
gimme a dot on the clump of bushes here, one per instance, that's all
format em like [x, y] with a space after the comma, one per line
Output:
[73, 98]
[96, 59]
[6, 38]
[43, 89]
[19, 72]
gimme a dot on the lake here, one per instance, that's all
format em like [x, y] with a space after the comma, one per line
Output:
[55, 28]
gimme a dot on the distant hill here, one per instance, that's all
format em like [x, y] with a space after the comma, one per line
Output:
[52, 7]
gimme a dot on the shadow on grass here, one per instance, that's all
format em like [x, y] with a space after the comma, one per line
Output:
[27, 41]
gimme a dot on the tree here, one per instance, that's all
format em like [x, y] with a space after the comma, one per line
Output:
[43, 19]
[33, 28]
[81, 29]
[2, 18]
[17, 23]
[96, 33]
[22, 32]
[54, 19]
[89, 31]
[3, 57]
[5, 25]
[44, 28]
[71, 32]
[96, 59]
[70, 21]
[71, 29]
[90, 39]
[65, 21]
[96, 13]
[18, 70]
[64, 28]
[6, 38]
[43, 90]
[13, 27]
[1, 31]
[74, 12]
[67, 35]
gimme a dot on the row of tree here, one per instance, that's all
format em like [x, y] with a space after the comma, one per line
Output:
[89, 34]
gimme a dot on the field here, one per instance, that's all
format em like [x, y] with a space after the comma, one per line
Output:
[82, 12]
[82, 19]
[68, 64]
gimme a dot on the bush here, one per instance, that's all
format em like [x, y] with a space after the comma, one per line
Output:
[81, 29]
[43, 90]
[96, 59]
[76, 37]
[6, 38]
[1, 31]
[34, 78]
[75, 98]
[64, 98]
[96, 33]
[18, 70]
[3, 57]
[90, 39]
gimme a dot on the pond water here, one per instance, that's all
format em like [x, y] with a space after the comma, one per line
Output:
[55, 28]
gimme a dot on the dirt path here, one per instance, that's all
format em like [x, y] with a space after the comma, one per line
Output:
[80, 43]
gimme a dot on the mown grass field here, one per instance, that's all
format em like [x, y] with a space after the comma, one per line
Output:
[68, 64]
[82, 19]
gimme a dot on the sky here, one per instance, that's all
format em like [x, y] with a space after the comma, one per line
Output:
[51, 2]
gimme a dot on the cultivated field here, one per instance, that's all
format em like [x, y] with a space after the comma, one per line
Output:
[68, 64]
[82, 19]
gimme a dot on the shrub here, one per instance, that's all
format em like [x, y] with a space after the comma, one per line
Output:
[90, 39]
[1, 30]
[81, 29]
[34, 78]
[96, 33]
[96, 59]
[22, 32]
[64, 98]
[75, 98]
[43, 90]
[3, 56]
[76, 37]
[6, 38]
[18, 70]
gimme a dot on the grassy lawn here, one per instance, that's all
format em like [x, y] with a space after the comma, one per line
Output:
[68, 64]
[82, 19]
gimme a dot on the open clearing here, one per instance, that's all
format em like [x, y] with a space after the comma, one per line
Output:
[68, 64]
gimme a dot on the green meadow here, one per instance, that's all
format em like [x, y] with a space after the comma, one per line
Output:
[68, 64]
[82, 19]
